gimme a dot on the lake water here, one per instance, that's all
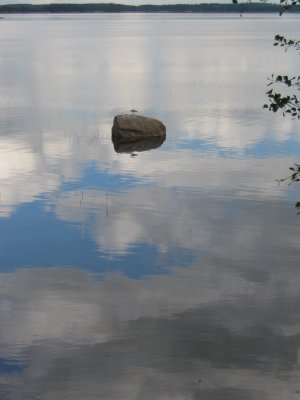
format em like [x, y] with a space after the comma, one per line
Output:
[167, 274]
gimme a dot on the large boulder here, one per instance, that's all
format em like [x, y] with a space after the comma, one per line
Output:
[132, 127]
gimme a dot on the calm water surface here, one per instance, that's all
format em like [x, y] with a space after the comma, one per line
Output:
[167, 274]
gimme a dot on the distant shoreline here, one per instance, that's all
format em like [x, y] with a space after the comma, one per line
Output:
[146, 8]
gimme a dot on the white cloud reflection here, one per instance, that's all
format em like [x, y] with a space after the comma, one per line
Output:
[23, 177]
[84, 338]
[159, 217]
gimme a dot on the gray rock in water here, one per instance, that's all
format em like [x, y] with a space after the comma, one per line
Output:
[131, 127]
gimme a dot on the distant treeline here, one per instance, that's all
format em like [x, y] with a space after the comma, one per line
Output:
[147, 8]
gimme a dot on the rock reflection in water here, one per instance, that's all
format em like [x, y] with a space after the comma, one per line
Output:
[138, 145]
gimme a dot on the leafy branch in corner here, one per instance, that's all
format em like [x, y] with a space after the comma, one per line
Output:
[287, 4]
[286, 43]
[293, 177]
[289, 103]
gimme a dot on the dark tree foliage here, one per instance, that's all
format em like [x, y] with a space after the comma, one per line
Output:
[293, 177]
[287, 4]
[288, 102]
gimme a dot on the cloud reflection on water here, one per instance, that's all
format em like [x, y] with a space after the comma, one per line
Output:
[117, 337]
[158, 217]
[28, 173]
